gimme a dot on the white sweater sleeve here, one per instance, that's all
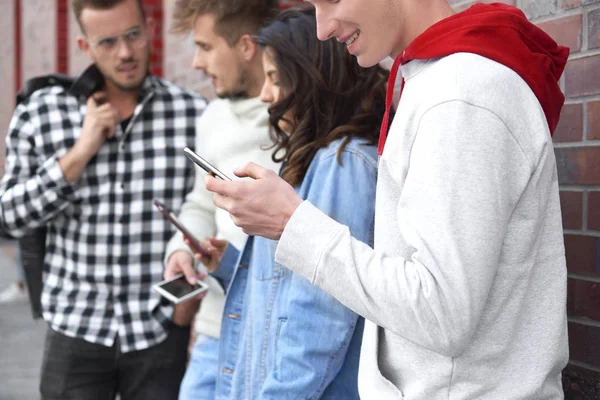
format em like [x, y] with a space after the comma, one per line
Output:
[466, 173]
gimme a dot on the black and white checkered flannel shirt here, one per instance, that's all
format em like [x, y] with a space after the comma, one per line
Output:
[105, 240]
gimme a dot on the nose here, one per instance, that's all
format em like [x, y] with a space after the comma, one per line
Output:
[124, 49]
[266, 94]
[199, 62]
[325, 24]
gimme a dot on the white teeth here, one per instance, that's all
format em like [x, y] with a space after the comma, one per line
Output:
[353, 37]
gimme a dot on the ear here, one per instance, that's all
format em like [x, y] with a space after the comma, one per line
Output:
[248, 47]
[84, 46]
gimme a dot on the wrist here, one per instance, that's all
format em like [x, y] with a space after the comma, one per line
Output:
[72, 165]
[289, 211]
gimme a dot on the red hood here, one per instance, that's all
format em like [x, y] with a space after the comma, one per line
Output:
[501, 33]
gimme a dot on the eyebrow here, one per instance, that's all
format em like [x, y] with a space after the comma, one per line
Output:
[272, 74]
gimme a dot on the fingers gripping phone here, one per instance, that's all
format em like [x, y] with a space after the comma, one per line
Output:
[197, 247]
[178, 289]
[205, 165]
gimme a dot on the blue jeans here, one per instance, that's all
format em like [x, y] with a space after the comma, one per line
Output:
[199, 382]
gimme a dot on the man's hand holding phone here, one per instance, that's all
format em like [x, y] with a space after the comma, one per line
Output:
[215, 247]
[182, 262]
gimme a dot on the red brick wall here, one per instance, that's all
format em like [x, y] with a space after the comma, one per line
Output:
[576, 23]
[62, 36]
[154, 9]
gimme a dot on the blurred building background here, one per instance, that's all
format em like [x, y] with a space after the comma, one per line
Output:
[38, 37]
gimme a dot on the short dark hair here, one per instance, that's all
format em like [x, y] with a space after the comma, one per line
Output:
[233, 18]
[80, 5]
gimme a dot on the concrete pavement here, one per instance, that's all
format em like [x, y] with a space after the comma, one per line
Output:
[21, 338]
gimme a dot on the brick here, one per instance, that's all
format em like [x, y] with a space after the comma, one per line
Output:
[565, 31]
[570, 125]
[594, 29]
[571, 205]
[583, 299]
[578, 165]
[568, 4]
[582, 76]
[584, 343]
[538, 8]
[593, 221]
[583, 255]
[593, 120]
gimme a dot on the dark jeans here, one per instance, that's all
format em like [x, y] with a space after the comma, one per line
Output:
[79, 370]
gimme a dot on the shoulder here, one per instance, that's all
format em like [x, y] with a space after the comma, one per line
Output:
[46, 101]
[355, 151]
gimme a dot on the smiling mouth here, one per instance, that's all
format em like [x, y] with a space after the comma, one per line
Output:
[352, 38]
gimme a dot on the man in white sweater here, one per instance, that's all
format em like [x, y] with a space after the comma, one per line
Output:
[232, 130]
[465, 288]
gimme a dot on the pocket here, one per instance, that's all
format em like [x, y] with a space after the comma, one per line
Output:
[266, 268]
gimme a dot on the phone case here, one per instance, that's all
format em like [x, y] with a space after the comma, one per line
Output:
[188, 235]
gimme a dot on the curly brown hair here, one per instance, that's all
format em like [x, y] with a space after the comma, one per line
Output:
[329, 94]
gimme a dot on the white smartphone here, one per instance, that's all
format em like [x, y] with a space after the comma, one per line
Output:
[177, 289]
[205, 165]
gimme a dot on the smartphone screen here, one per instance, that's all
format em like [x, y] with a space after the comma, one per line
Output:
[177, 289]
[180, 287]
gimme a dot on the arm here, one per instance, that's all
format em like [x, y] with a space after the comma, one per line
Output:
[316, 345]
[464, 179]
[31, 194]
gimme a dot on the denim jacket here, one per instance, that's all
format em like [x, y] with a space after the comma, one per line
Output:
[281, 337]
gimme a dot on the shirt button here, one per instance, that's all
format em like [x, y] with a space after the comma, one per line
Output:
[234, 316]
[227, 371]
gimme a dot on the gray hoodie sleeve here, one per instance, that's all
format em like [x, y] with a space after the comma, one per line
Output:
[466, 174]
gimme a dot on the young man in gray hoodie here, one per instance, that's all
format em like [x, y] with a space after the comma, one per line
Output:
[465, 288]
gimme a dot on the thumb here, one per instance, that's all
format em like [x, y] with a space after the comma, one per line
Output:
[251, 170]
[188, 271]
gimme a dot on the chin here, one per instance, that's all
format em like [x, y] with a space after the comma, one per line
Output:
[367, 61]
[130, 84]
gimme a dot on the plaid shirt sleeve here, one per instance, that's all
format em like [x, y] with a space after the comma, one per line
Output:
[33, 189]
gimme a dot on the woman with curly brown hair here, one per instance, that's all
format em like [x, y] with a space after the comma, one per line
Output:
[281, 337]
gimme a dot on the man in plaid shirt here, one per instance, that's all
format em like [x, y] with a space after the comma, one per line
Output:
[88, 170]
